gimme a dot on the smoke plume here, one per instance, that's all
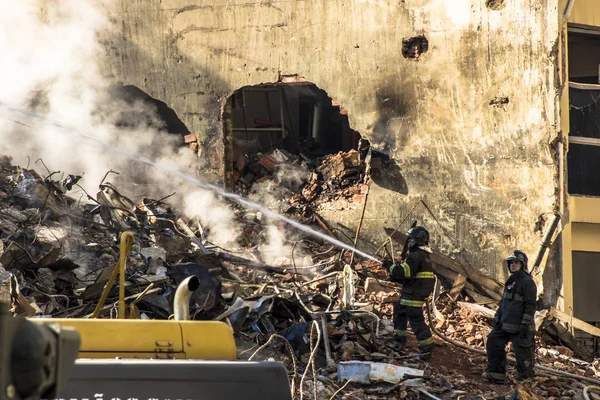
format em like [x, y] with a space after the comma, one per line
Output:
[58, 112]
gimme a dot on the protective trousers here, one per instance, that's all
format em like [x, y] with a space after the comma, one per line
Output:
[496, 354]
[406, 311]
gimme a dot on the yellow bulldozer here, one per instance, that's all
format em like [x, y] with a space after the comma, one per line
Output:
[97, 359]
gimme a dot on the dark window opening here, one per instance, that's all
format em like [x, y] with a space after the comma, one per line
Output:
[279, 120]
[584, 164]
[584, 111]
[586, 305]
[583, 161]
[414, 47]
[584, 56]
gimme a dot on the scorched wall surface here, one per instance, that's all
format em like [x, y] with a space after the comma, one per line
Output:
[470, 124]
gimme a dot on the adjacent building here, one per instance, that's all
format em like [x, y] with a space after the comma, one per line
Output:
[580, 112]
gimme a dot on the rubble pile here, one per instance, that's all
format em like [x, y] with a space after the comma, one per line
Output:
[330, 324]
[334, 177]
[309, 181]
[454, 372]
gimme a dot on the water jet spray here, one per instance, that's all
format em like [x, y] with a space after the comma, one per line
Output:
[223, 193]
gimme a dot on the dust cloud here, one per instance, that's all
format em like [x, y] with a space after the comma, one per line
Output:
[280, 247]
[57, 113]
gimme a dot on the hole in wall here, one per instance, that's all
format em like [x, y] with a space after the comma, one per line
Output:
[414, 47]
[153, 112]
[495, 5]
[134, 111]
[296, 120]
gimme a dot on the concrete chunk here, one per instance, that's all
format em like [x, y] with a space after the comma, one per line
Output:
[366, 372]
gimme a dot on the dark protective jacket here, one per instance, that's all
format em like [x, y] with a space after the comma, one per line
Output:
[518, 303]
[415, 274]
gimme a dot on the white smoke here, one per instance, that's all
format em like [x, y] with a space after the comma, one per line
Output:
[52, 91]
[292, 176]
[279, 247]
[214, 216]
[50, 67]
[276, 250]
[55, 105]
[51, 47]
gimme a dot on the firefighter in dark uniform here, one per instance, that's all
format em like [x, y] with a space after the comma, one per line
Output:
[416, 275]
[513, 321]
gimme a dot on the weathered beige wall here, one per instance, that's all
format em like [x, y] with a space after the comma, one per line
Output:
[487, 172]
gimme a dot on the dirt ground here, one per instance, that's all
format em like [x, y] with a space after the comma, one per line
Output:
[457, 364]
[452, 373]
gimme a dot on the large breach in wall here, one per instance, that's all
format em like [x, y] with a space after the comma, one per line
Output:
[295, 117]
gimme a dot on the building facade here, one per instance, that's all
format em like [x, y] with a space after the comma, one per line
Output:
[470, 98]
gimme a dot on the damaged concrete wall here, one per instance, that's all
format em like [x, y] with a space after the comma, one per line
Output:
[470, 124]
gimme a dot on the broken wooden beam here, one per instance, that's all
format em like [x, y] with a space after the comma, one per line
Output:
[477, 309]
[452, 276]
[574, 322]
[482, 283]
[473, 295]
[458, 286]
[323, 225]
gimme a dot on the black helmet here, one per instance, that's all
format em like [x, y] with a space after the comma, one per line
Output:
[518, 255]
[419, 236]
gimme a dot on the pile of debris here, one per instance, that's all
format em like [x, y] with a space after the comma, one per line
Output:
[337, 176]
[332, 328]
[309, 181]
[358, 353]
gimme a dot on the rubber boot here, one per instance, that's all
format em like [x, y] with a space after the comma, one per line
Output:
[486, 375]
[399, 342]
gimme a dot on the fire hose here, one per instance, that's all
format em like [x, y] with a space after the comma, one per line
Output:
[587, 389]
[511, 359]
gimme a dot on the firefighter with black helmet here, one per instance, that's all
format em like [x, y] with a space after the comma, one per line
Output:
[513, 322]
[416, 275]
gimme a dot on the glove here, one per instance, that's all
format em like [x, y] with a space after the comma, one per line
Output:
[391, 268]
[386, 263]
[524, 330]
[496, 324]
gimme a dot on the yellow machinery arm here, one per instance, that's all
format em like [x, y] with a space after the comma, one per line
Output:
[105, 338]
[36, 361]
[126, 243]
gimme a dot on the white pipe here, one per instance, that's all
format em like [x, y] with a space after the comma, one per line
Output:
[568, 10]
[181, 304]
[545, 242]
